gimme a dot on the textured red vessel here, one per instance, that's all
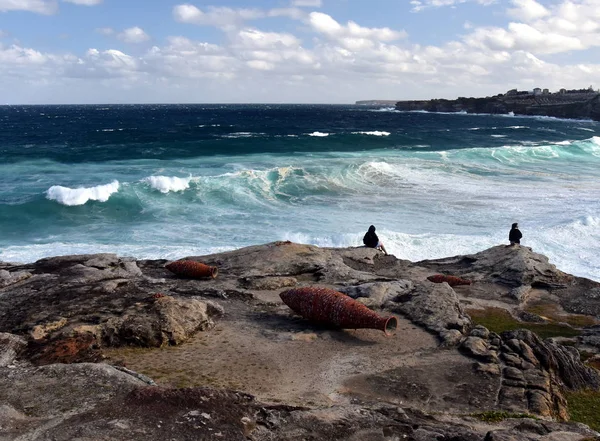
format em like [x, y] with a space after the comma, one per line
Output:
[450, 280]
[190, 268]
[323, 305]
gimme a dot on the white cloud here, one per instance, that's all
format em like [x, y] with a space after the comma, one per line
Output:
[325, 24]
[528, 10]
[215, 16]
[38, 6]
[84, 2]
[133, 35]
[419, 5]
[307, 3]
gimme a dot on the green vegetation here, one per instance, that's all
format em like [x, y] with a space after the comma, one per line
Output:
[495, 416]
[499, 320]
[584, 407]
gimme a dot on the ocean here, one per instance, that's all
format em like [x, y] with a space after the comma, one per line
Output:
[169, 181]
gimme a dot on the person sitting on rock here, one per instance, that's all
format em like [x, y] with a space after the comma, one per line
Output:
[515, 234]
[372, 241]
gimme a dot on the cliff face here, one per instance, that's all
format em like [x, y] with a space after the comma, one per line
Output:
[576, 105]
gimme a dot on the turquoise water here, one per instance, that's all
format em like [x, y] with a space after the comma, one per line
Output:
[178, 180]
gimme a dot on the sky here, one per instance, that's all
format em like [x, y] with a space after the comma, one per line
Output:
[291, 51]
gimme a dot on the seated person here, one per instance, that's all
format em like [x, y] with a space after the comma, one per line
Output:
[515, 235]
[372, 241]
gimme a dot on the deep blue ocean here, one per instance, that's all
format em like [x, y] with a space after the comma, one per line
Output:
[169, 181]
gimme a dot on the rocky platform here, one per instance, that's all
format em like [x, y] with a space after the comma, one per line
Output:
[102, 347]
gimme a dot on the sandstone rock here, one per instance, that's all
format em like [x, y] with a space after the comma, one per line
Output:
[478, 348]
[520, 293]
[10, 347]
[41, 331]
[7, 278]
[508, 435]
[451, 337]
[378, 293]
[268, 283]
[164, 321]
[434, 306]
[480, 331]
[511, 266]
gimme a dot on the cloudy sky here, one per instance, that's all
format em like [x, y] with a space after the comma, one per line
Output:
[291, 51]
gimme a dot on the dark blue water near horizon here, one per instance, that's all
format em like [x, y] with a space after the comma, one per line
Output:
[88, 133]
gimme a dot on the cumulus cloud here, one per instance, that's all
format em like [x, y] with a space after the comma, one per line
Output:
[419, 5]
[133, 35]
[325, 24]
[528, 10]
[84, 2]
[215, 16]
[38, 6]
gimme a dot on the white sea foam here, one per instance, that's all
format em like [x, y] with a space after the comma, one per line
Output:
[165, 184]
[373, 133]
[79, 196]
[498, 136]
[518, 127]
[586, 129]
[318, 134]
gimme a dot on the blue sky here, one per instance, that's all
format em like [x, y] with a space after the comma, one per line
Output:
[317, 51]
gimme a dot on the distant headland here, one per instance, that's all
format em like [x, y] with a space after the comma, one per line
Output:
[575, 103]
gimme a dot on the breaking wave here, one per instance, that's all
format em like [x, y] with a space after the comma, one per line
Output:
[79, 196]
[165, 184]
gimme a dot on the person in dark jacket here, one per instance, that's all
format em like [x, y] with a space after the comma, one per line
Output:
[515, 234]
[372, 241]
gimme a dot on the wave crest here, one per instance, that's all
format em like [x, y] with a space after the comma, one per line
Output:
[79, 196]
[165, 184]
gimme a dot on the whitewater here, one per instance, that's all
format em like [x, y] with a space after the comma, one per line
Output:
[169, 181]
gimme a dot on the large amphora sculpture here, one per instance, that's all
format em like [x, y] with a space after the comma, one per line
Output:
[324, 305]
[192, 269]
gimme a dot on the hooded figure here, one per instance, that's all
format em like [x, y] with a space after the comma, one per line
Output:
[372, 241]
[515, 234]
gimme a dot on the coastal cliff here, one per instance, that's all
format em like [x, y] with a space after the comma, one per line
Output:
[104, 347]
[580, 104]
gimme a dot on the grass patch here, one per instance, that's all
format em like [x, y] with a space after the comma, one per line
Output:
[499, 320]
[584, 407]
[495, 416]
[551, 311]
